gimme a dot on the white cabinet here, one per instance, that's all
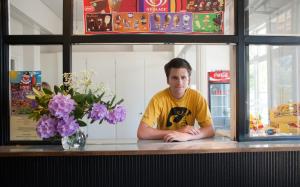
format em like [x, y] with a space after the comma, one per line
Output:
[104, 67]
[134, 76]
[130, 86]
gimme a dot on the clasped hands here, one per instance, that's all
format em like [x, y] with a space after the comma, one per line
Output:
[183, 134]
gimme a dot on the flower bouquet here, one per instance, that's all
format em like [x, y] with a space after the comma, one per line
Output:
[60, 113]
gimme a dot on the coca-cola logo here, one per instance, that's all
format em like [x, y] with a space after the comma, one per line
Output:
[155, 3]
[219, 75]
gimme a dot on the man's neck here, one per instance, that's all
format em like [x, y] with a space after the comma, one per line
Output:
[177, 95]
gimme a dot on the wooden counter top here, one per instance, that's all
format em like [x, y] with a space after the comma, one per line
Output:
[150, 147]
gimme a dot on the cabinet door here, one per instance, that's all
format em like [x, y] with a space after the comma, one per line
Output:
[130, 86]
[104, 67]
[155, 78]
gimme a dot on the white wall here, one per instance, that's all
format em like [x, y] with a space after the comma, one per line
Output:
[35, 15]
[134, 76]
[51, 67]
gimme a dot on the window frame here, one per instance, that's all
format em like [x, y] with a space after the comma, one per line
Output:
[240, 38]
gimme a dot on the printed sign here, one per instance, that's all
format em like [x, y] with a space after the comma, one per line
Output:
[131, 22]
[171, 22]
[219, 76]
[98, 23]
[208, 22]
[205, 5]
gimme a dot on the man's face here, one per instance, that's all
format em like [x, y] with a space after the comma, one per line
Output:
[178, 80]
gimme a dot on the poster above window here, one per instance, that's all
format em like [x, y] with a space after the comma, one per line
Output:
[154, 16]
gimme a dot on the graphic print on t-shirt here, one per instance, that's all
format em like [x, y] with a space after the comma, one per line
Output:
[177, 115]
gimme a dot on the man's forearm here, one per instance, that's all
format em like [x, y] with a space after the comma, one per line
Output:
[205, 132]
[149, 133]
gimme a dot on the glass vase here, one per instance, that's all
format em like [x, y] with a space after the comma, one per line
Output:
[75, 141]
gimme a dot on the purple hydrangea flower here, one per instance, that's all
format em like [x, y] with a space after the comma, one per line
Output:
[60, 105]
[116, 115]
[98, 112]
[67, 126]
[46, 127]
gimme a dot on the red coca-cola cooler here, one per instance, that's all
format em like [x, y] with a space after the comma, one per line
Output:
[219, 98]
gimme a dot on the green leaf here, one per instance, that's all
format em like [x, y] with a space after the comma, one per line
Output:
[71, 92]
[62, 88]
[79, 99]
[81, 123]
[90, 99]
[78, 112]
[113, 100]
[101, 121]
[47, 91]
[100, 97]
[56, 89]
[119, 102]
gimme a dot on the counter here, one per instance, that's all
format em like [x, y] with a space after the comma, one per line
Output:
[129, 162]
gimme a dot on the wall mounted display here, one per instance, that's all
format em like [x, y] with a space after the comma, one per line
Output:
[205, 5]
[211, 22]
[98, 22]
[131, 22]
[171, 22]
[21, 83]
[154, 16]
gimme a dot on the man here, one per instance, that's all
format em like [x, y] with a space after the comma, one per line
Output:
[175, 109]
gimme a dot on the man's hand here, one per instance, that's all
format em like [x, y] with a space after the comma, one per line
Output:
[189, 129]
[177, 136]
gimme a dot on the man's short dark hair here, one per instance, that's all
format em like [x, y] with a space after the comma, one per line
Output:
[177, 63]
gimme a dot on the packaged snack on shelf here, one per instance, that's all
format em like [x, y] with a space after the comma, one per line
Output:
[286, 118]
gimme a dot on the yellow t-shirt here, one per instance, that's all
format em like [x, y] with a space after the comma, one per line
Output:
[167, 112]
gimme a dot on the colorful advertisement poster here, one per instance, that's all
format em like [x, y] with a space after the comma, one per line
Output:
[208, 22]
[171, 22]
[205, 5]
[131, 22]
[98, 23]
[21, 83]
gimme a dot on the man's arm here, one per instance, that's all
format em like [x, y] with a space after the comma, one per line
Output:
[146, 132]
[190, 134]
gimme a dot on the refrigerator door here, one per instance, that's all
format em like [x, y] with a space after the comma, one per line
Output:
[219, 103]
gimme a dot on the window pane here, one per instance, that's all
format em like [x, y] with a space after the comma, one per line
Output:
[130, 6]
[35, 17]
[136, 73]
[30, 66]
[274, 17]
[274, 90]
